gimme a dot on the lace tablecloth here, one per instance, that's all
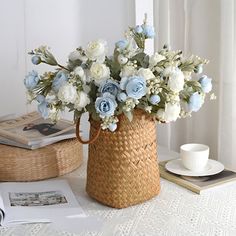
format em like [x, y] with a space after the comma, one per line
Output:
[176, 211]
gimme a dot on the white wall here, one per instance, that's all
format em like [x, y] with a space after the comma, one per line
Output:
[61, 24]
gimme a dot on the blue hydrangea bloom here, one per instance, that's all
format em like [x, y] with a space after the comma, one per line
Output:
[205, 84]
[148, 31]
[138, 29]
[136, 87]
[36, 60]
[31, 80]
[195, 101]
[154, 99]
[121, 96]
[43, 109]
[105, 105]
[122, 44]
[59, 80]
[109, 86]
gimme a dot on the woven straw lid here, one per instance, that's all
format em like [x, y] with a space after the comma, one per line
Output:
[17, 164]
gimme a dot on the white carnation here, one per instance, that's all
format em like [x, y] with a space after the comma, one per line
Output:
[146, 73]
[99, 72]
[154, 59]
[171, 112]
[96, 50]
[82, 101]
[128, 71]
[67, 93]
[176, 81]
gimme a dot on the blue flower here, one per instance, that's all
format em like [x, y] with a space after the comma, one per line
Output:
[135, 87]
[31, 80]
[205, 84]
[195, 101]
[36, 60]
[122, 44]
[109, 86]
[112, 127]
[43, 109]
[121, 96]
[154, 99]
[59, 80]
[138, 29]
[148, 31]
[105, 105]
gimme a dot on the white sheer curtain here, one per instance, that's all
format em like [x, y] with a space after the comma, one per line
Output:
[205, 28]
[227, 85]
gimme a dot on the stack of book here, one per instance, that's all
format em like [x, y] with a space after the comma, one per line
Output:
[31, 131]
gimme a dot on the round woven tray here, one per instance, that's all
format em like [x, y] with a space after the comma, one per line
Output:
[17, 164]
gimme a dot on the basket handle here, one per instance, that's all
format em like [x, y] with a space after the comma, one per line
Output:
[93, 139]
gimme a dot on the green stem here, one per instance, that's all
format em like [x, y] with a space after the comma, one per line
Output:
[63, 67]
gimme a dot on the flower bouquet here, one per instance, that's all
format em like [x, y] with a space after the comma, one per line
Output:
[124, 95]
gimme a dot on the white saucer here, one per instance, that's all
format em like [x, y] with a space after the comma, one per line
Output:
[213, 167]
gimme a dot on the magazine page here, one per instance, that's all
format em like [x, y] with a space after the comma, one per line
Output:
[38, 201]
[32, 127]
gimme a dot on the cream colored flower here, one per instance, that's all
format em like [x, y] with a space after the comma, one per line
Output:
[67, 93]
[171, 112]
[127, 71]
[99, 72]
[176, 81]
[82, 101]
[154, 59]
[146, 73]
[96, 50]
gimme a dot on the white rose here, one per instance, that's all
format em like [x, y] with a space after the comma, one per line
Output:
[67, 93]
[146, 73]
[171, 112]
[99, 72]
[154, 59]
[176, 81]
[76, 55]
[128, 71]
[82, 101]
[96, 50]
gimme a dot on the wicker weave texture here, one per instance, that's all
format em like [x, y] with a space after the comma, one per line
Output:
[122, 166]
[17, 164]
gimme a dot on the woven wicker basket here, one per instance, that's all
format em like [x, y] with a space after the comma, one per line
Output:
[122, 166]
[17, 164]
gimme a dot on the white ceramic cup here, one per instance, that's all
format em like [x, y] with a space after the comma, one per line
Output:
[194, 156]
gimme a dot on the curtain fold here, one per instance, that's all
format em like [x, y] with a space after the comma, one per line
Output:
[227, 85]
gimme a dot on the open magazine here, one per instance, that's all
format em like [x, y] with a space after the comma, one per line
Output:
[37, 202]
[31, 131]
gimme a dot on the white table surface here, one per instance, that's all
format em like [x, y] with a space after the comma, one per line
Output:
[175, 211]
